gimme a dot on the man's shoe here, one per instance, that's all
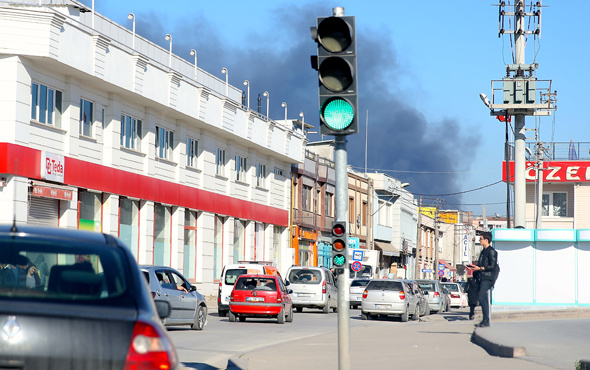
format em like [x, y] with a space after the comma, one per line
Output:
[483, 324]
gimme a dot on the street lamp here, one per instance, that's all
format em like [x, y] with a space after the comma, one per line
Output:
[267, 100]
[194, 52]
[224, 71]
[169, 38]
[284, 105]
[302, 118]
[131, 17]
[247, 83]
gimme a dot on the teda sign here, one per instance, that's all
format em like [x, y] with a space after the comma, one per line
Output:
[52, 166]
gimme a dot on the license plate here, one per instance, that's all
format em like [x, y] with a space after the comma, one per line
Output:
[381, 306]
[255, 299]
[358, 298]
[303, 295]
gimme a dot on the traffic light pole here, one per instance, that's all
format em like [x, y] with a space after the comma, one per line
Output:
[341, 164]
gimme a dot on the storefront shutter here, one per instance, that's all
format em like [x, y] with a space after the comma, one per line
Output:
[43, 211]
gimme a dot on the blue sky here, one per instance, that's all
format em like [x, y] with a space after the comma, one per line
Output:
[421, 66]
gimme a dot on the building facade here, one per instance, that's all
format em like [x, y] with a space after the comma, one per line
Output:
[138, 143]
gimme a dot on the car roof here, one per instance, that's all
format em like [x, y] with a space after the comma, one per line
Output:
[256, 276]
[45, 232]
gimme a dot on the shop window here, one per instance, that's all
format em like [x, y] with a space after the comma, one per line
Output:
[129, 224]
[89, 211]
[190, 244]
[162, 217]
[555, 204]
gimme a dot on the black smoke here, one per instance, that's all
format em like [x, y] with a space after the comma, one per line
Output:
[402, 142]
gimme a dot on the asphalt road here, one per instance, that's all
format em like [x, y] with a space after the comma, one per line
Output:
[438, 341]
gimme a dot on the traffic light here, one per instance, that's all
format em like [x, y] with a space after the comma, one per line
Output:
[339, 243]
[336, 66]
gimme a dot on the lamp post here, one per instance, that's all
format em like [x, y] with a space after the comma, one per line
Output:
[267, 100]
[302, 118]
[284, 105]
[131, 17]
[247, 84]
[169, 38]
[224, 71]
[194, 53]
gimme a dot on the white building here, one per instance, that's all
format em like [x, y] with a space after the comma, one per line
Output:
[128, 141]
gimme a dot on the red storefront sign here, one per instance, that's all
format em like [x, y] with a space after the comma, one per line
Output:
[49, 192]
[563, 171]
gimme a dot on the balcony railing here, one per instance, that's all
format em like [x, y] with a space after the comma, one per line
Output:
[559, 151]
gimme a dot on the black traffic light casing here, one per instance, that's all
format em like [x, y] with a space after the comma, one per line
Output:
[339, 246]
[337, 74]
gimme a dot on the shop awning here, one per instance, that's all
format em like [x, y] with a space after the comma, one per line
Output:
[387, 249]
[447, 265]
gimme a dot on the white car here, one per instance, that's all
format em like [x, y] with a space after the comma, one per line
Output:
[458, 296]
[357, 287]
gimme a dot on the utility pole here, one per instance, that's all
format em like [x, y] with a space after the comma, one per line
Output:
[436, 276]
[516, 94]
[539, 154]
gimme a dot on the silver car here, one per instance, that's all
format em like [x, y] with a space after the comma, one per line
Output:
[187, 305]
[389, 297]
[438, 298]
[357, 287]
[313, 287]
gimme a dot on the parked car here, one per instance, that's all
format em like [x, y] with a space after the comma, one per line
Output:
[389, 297]
[187, 305]
[357, 287]
[313, 287]
[438, 299]
[422, 298]
[93, 311]
[456, 293]
[230, 274]
[258, 296]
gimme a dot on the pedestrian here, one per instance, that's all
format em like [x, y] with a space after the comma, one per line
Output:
[486, 272]
[472, 289]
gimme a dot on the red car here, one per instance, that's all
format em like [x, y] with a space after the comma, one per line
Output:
[260, 296]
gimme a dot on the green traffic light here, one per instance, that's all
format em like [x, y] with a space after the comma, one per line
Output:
[337, 113]
[339, 260]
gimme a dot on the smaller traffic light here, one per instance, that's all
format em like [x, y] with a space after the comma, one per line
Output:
[339, 243]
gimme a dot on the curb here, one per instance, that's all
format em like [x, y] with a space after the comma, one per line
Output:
[495, 349]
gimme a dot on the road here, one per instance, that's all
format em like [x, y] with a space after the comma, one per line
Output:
[310, 341]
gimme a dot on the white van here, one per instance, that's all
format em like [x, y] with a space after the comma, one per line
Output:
[313, 287]
[230, 274]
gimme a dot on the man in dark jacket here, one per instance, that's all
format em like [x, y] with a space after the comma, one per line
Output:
[485, 272]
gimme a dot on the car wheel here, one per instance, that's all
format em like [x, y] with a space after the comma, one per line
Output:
[335, 309]
[364, 316]
[242, 318]
[222, 313]
[405, 316]
[373, 316]
[326, 308]
[299, 309]
[200, 318]
[281, 317]
[232, 317]
[289, 318]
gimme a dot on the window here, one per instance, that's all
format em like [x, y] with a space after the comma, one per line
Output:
[279, 172]
[241, 168]
[190, 244]
[130, 132]
[86, 119]
[555, 204]
[89, 211]
[220, 162]
[329, 204]
[364, 214]
[192, 152]
[129, 224]
[46, 104]
[164, 143]
[260, 175]
[306, 198]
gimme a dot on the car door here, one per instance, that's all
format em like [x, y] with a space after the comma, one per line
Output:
[187, 300]
[170, 294]
[332, 289]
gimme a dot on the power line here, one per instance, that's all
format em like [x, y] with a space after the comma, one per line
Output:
[460, 192]
[431, 172]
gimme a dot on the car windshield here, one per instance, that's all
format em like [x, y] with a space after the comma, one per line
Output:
[366, 271]
[232, 275]
[255, 283]
[429, 287]
[61, 270]
[305, 276]
[385, 285]
[359, 283]
[451, 287]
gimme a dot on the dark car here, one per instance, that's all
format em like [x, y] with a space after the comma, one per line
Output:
[93, 311]
[187, 305]
[260, 296]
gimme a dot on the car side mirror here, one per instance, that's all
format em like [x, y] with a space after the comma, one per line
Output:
[290, 291]
[287, 283]
[163, 309]
[193, 288]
